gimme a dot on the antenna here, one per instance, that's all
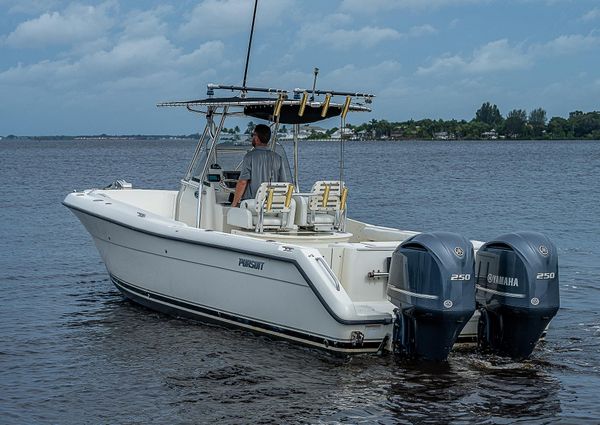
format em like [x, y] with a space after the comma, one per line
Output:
[316, 71]
[250, 43]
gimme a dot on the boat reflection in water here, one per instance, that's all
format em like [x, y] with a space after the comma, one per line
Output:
[474, 391]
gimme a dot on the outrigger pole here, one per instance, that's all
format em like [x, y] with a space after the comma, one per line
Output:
[250, 43]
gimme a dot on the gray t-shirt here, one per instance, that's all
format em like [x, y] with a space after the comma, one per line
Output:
[262, 165]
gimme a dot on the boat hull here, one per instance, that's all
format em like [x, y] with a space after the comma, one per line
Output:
[235, 281]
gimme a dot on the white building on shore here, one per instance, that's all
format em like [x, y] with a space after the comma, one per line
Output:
[348, 133]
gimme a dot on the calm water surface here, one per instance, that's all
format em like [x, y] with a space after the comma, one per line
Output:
[73, 350]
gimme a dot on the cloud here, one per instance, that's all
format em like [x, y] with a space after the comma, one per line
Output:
[443, 65]
[568, 44]
[371, 78]
[327, 32]
[140, 23]
[128, 60]
[138, 56]
[592, 15]
[221, 18]
[499, 55]
[32, 7]
[75, 23]
[349, 77]
[364, 37]
[208, 53]
[377, 6]
[422, 30]
[101, 61]
[29, 75]
[340, 31]
[495, 56]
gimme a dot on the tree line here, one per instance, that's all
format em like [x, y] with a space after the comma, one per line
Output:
[489, 123]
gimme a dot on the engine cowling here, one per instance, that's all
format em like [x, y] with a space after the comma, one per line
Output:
[432, 284]
[517, 292]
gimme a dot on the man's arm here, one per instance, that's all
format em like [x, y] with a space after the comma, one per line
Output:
[240, 188]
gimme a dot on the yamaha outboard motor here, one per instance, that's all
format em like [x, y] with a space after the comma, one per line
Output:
[517, 292]
[432, 282]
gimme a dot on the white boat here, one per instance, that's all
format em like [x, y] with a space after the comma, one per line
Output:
[291, 265]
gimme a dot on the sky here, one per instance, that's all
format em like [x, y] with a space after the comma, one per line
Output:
[92, 67]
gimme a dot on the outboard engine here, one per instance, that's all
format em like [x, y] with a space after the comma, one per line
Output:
[432, 282]
[517, 292]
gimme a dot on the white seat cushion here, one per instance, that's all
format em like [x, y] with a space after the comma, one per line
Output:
[323, 219]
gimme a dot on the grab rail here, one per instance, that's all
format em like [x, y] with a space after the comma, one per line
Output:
[331, 273]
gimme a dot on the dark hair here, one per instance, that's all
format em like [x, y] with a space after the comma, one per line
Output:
[263, 132]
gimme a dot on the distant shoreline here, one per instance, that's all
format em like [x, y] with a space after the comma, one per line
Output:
[488, 124]
[102, 137]
[126, 138]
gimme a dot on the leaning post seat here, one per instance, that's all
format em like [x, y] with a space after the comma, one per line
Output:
[324, 209]
[272, 208]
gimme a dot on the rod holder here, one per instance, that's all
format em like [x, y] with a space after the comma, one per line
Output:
[326, 105]
[346, 107]
[277, 107]
[303, 104]
[288, 195]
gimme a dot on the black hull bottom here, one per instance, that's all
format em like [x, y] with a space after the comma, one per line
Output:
[178, 308]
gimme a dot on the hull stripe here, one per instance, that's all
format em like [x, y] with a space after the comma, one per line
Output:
[170, 306]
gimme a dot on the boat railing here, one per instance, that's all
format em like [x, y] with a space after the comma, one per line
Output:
[336, 281]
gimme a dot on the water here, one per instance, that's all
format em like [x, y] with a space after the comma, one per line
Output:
[73, 350]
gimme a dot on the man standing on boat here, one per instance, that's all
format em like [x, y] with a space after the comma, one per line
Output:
[260, 165]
